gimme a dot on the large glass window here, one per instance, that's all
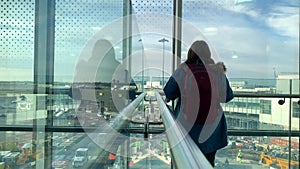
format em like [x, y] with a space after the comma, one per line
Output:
[86, 57]
[69, 69]
[259, 152]
[250, 38]
[225, 24]
[75, 24]
[296, 110]
[17, 41]
[266, 107]
[16, 65]
[155, 24]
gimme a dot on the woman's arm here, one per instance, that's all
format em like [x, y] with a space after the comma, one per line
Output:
[171, 89]
[229, 92]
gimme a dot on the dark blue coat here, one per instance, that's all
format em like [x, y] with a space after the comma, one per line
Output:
[218, 138]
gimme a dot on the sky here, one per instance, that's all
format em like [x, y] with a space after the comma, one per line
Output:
[255, 38]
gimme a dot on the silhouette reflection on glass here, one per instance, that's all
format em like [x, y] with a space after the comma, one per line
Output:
[105, 85]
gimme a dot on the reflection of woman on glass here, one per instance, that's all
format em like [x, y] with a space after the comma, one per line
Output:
[108, 67]
[103, 69]
[113, 72]
[98, 63]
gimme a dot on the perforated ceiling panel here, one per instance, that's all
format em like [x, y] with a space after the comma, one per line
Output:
[16, 35]
[75, 23]
[151, 14]
[153, 6]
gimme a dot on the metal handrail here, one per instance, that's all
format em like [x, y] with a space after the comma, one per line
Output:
[127, 112]
[267, 95]
[112, 135]
[140, 130]
[184, 150]
[120, 120]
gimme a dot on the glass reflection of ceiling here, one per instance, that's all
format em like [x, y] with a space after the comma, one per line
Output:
[259, 33]
[75, 24]
[16, 40]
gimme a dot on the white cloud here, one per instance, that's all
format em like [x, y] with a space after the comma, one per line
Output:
[283, 19]
[285, 25]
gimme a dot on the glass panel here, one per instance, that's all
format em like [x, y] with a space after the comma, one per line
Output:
[154, 22]
[65, 146]
[16, 65]
[247, 37]
[215, 22]
[20, 109]
[261, 53]
[76, 24]
[259, 152]
[151, 153]
[20, 150]
[226, 25]
[16, 54]
[86, 58]
[262, 113]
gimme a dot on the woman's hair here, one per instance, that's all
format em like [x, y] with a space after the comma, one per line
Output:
[199, 53]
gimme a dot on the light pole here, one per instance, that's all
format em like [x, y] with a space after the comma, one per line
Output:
[140, 40]
[163, 40]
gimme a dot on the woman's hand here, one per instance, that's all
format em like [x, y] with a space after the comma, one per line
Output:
[167, 100]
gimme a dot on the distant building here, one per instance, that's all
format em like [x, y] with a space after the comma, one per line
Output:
[264, 113]
[285, 81]
[273, 112]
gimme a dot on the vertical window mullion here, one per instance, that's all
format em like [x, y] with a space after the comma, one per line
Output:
[43, 79]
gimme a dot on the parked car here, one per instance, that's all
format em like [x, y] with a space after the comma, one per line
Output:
[81, 157]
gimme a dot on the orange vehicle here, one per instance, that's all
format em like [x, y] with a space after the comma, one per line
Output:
[281, 161]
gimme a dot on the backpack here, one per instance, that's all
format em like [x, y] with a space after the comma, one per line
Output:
[199, 94]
